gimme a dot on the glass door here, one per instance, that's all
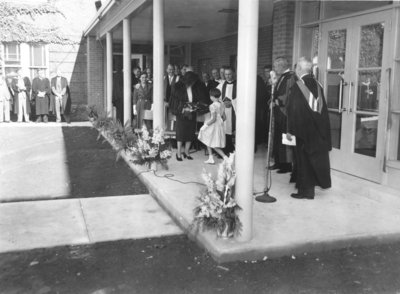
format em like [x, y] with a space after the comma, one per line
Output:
[354, 62]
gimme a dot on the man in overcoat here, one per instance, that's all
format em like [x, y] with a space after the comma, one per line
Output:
[283, 155]
[61, 98]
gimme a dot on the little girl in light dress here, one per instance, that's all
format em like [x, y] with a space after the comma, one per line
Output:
[212, 133]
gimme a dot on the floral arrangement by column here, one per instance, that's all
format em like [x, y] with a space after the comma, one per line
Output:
[217, 207]
[149, 148]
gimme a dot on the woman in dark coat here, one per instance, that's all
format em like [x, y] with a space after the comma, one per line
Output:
[187, 93]
[142, 101]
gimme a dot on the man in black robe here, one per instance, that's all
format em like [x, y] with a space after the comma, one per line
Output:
[41, 95]
[283, 155]
[228, 94]
[308, 121]
[262, 97]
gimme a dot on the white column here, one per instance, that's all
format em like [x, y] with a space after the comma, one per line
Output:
[245, 114]
[158, 63]
[126, 27]
[109, 74]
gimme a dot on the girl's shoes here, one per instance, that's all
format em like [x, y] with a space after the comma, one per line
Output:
[210, 161]
[187, 156]
[179, 158]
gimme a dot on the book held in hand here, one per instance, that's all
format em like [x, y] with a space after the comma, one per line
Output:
[285, 141]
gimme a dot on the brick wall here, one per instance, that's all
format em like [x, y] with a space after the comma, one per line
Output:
[71, 59]
[283, 29]
[218, 52]
[95, 72]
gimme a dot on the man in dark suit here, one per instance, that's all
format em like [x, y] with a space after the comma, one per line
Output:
[61, 99]
[169, 82]
[210, 84]
[283, 154]
[308, 121]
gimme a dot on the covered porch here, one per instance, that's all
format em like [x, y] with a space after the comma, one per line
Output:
[354, 211]
[165, 23]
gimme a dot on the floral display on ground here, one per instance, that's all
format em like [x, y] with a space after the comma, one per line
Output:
[144, 147]
[217, 208]
[149, 147]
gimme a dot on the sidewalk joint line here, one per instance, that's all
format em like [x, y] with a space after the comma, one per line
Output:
[84, 219]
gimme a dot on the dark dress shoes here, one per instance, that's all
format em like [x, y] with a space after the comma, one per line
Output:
[301, 196]
[178, 158]
[187, 156]
[275, 166]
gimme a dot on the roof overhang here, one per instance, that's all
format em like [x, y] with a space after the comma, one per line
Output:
[187, 21]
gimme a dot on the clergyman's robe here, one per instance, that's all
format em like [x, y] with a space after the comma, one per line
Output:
[312, 130]
[42, 103]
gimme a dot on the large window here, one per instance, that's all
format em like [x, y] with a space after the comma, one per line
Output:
[38, 58]
[12, 57]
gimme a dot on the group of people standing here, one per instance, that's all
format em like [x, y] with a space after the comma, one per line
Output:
[188, 96]
[298, 106]
[34, 100]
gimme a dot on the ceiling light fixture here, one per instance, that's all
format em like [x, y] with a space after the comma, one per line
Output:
[184, 27]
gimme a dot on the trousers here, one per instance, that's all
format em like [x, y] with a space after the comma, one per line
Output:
[4, 110]
[22, 107]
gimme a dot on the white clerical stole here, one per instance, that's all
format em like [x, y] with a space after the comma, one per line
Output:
[228, 111]
[190, 94]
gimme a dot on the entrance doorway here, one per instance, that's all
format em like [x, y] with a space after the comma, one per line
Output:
[354, 61]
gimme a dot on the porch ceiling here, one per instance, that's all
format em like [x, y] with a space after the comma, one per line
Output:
[202, 20]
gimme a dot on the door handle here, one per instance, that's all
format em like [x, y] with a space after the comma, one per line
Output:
[341, 85]
[349, 100]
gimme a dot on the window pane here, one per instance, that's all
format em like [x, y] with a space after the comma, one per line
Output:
[12, 54]
[366, 134]
[38, 56]
[11, 70]
[333, 90]
[371, 45]
[369, 84]
[310, 11]
[336, 49]
[339, 8]
[335, 120]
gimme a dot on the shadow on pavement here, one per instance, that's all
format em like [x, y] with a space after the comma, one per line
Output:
[93, 170]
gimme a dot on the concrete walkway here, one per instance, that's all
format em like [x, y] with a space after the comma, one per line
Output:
[49, 223]
[49, 161]
[353, 212]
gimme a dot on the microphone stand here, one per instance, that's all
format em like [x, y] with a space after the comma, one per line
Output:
[266, 198]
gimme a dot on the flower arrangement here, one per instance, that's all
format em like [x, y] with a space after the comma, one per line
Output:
[149, 147]
[217, 207]
[120, 136]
